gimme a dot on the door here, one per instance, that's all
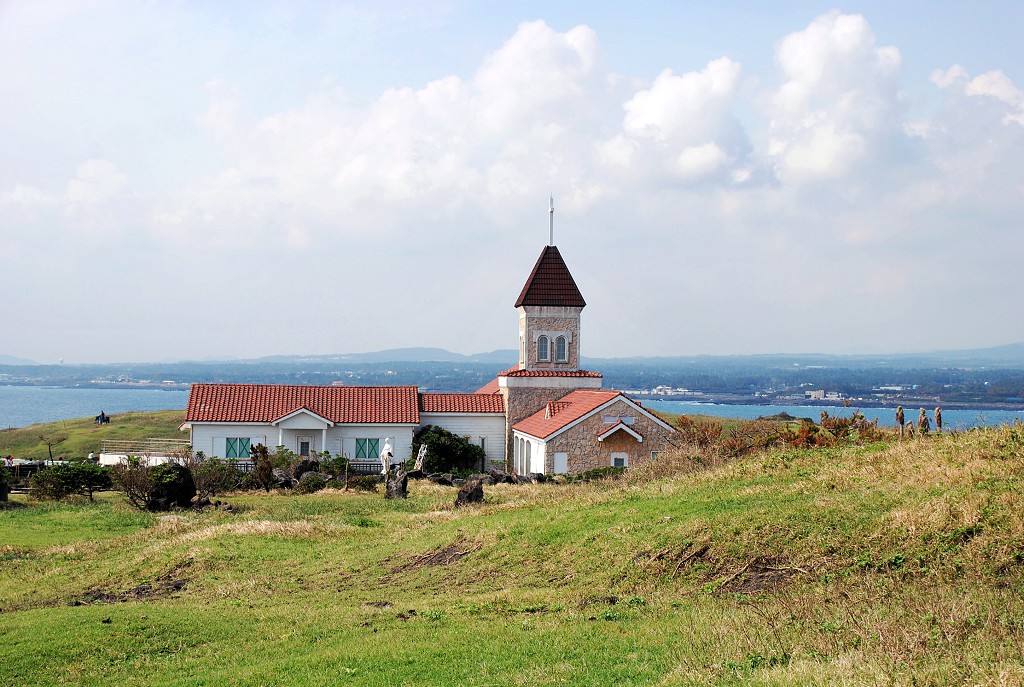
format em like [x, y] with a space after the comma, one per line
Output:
[304, 444]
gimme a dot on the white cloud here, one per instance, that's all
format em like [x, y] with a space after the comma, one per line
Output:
[95, 181]
[717, 190]
[838, 100]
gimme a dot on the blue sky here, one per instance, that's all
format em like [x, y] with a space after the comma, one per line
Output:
[187, 180]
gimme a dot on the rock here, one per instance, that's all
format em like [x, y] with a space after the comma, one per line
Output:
[443, 480]
[397, 484]
[537, 477]
[416, 474]
[521, 479]
[458, 481]
[173, 486]
[283, 479]
[471, 492]
[484, 478]
[500, 477]
[305, 465]
[226, 507]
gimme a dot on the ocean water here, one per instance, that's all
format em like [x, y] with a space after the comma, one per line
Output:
[25, 405]
[951, 419]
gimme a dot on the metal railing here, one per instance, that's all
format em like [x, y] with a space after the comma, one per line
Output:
[143, 447]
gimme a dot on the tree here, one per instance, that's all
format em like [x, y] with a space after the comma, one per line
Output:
[447, 451]
[51, 441]
[263, 466]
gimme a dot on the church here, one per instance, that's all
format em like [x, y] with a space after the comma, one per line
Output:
[546, 415]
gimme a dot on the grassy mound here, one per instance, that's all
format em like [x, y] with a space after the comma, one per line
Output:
[83, 435]
[893, 563]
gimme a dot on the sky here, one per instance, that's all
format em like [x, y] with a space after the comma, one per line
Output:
[190, 180]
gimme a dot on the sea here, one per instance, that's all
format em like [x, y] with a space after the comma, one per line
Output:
[951, 418]
[21, 406]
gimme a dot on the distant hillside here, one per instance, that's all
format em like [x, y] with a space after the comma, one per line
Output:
[12, 360]
[397, 355]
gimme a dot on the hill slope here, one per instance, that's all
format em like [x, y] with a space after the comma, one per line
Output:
[894, 563]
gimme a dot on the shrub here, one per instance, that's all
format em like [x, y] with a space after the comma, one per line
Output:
[60, 481]
[310, 482]
[249, 482]
[701, 433]
[446, 451]
[154, 487]
[263, 465]
[216, 477]
[363, 482]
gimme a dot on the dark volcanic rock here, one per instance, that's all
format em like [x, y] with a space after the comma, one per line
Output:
[305, 465]
[173, 486]
[397, 484]
[471, 492]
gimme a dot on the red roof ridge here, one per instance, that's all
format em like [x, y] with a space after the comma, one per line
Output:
[516, 372]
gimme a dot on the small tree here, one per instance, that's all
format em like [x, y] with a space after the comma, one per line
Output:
[263, 466]
[133, 478]
[52, 440]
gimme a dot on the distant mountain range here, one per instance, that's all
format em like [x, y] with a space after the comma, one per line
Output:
[1009, 355]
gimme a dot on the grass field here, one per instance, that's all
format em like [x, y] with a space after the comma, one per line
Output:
[83, 435]
[891, 563]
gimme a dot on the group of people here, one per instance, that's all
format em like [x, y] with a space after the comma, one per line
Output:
[923, 424]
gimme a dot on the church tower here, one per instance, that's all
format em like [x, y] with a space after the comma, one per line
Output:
[549, 308]
[549, 316]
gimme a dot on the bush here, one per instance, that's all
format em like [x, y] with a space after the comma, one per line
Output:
[364, 482]
[310, 482]
[154, 487]
[249, 482]
[60, 481]
[700, 433]
[447, 452]
[215, 476]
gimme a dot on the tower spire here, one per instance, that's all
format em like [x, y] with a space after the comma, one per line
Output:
[551, 220]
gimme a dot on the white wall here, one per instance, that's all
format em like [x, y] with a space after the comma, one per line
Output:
[210, 438]
[491, 426]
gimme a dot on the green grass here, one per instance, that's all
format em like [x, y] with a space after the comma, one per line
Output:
[896, 563]
[84, 435]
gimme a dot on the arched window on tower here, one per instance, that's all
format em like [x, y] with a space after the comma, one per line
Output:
[561, 350]
[543, 349]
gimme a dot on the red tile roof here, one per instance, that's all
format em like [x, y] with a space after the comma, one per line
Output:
[516, 372]
[550, 283]
[270, 402]
[462, 403]
[574, 406]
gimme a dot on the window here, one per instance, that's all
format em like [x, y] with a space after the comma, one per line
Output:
[561, 350]
[620, 459]
[483, 443]
[236, 447]
[561, 463]
[304, 444]
[624, 419]
[367, 449]
[543, 349]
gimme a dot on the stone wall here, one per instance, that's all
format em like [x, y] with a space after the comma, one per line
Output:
[536, 321]
[520, 403]
[585, 452]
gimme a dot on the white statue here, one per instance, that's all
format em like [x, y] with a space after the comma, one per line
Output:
[385, 456]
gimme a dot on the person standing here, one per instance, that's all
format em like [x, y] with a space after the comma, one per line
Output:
[938, 419]
[899, 419]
